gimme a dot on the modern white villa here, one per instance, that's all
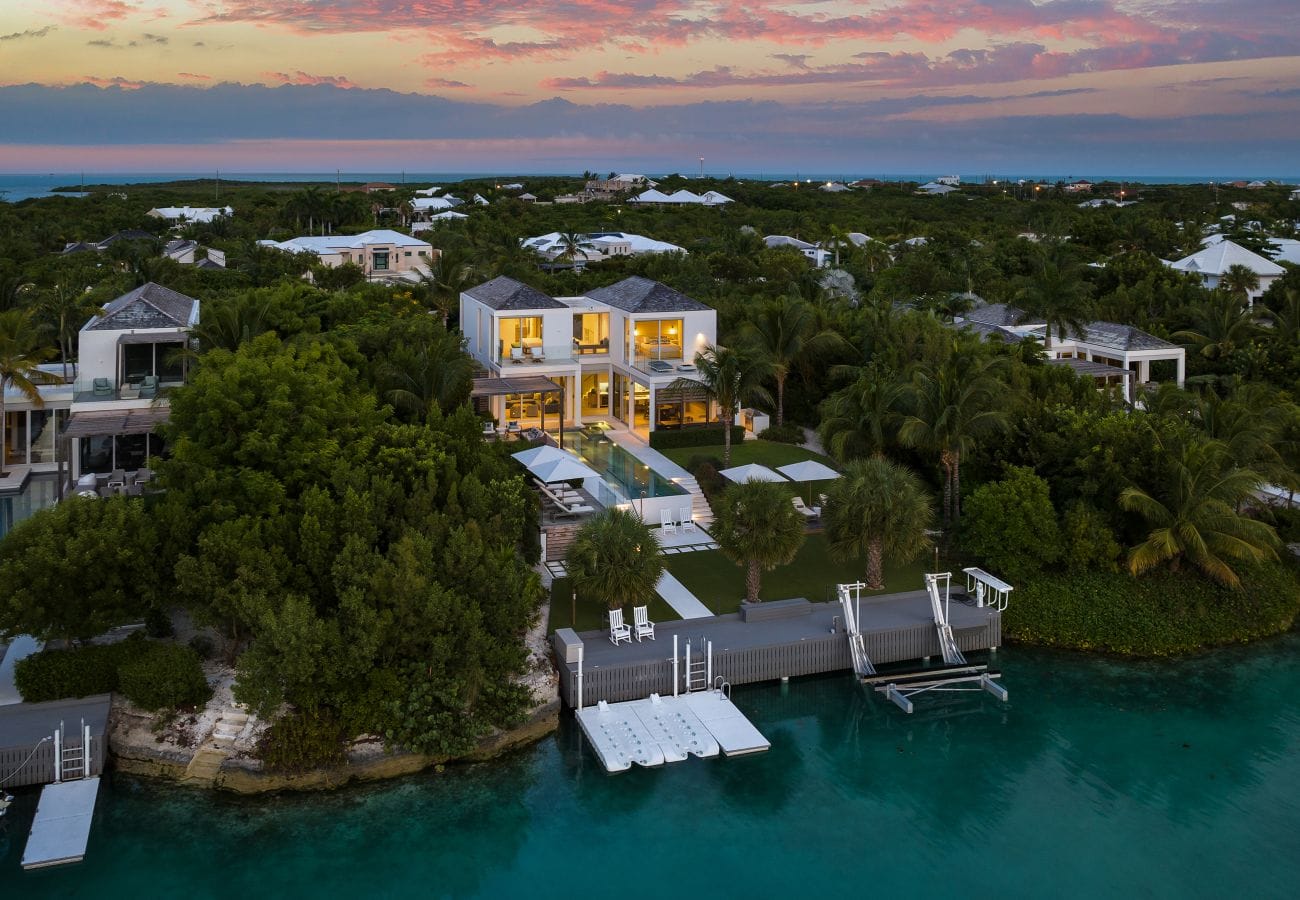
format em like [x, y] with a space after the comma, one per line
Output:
[130, 354]
[1108, 352]
[682, 198]
[381, 253]
[613, 352]
[1214, 260]
[190, 214]
[599, 245]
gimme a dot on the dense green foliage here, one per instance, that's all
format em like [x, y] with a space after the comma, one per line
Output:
[1159, 614]
[150, 674]
[1011, 525]
[879, 512]
[615, 558]
[758, 529]
[694, 437]
[303, 740]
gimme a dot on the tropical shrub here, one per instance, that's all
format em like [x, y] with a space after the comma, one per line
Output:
[1011, 525]
[165, 676]
[1088, 542]
[709, 436]
[788, 433]
[77, 672]
[303, 740]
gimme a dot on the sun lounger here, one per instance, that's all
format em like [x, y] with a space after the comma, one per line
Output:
[804, 510]
[641, 623]
[618, 630]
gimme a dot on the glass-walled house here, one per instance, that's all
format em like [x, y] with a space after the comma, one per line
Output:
[616, 352]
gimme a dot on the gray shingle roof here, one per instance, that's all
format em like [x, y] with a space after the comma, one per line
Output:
[999, 314]
[1123, 337]
[503, 293]
[641, 295]
[131, 234]
[148, 306]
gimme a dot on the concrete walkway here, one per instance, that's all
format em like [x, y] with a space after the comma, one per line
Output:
[642, 451]
[683, 601]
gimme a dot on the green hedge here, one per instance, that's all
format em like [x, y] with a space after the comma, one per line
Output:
[1159, 614]
[303, 740]
[166, 676]
[789, 433]
[694, 437]
[150, 674]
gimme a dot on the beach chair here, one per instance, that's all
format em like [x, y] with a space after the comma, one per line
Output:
[641, 623]
[618, 629]
[666, 523]
[688, 521]
[149, 386]
[102, 387]
[489, 429]
[804, 510]
[516, 355]
[537, 353]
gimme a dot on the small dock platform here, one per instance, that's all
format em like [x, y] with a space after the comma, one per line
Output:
[659, 730]
[61, 828]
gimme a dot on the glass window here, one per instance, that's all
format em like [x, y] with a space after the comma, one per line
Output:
[659, 339]
[169, 364]
[43, 430]
[132, 450]
[591, 332]
[97, 454]
[521, 334]
[16, 438]
[381, 260]
[137, 362]
[595, 394]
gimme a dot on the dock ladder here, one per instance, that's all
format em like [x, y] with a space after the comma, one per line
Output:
[72, 759]
[851, 601]
[952, 655]
[699, 669]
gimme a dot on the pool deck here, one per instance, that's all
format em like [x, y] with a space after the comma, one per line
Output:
[895, 628]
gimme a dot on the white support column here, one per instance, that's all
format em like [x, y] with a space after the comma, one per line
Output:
[85, 751]
[581, 653]
[676, 674]
[1182, 368]
[1144, 370]
[58, 755]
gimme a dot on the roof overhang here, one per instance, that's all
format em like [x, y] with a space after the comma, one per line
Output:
[526, 384]
[153, 337]
[104, 424]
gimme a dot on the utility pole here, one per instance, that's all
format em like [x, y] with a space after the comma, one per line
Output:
[218, 188]
[701, 166]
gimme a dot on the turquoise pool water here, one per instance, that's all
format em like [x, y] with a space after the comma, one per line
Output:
[622, 471]
[1099, 779]
[39, 492]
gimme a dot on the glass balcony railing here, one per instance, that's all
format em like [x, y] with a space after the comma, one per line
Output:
[664, 364]
[535, 354]
[90, 390]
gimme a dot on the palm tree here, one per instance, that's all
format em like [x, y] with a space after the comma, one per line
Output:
[785, 331]
[437, 373]
[863, 418]
[953, 404]
[731, 377]
[65, 309]
[1219, 326]
[573, 246]
[1058, 297]
[837, 239]
[875, 256]
[1193, 513]
[453, 271]
[878, 510]
[615, 557]
[21, 352]
[1240, 282]
[757, 527]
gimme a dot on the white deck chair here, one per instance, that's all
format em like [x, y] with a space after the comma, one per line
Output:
[804, 511]
[618, 630]
[641, 623]
[688, 521]
[516, 354]
[666, 523]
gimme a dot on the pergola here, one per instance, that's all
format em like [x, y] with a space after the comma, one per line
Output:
[1099, 371]
[521, 384]
[112, 423]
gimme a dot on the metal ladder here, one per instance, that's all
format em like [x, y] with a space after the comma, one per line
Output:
[698, 668]
[861, 662]
[72, 761]
[952, 654]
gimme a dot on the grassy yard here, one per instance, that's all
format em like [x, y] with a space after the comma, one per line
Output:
[764, 453]
[720, 583]
[591, 614]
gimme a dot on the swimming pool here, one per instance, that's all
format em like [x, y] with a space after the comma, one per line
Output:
[39, 492]
[626, 475]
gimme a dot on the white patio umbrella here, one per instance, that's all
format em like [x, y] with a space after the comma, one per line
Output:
[550, 464]
[808, 471]
[544, 453]
[750, 472]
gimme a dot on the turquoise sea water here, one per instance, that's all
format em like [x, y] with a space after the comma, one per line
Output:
[1099, 779]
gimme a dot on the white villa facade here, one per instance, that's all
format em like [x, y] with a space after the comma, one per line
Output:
[599, 245]
[200, 214]
[381, 253]
[615, 351]
[1109, 352]
[682, 198]
[1212, 262]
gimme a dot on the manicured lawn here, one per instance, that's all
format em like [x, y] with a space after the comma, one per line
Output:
[591, 615]
[764, 453]
[720, 583]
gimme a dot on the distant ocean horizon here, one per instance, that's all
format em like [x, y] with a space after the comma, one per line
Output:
[23, 186]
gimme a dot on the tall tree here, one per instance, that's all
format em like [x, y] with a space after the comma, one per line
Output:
[732, 377]
[615, 557]
[1191, 507]
[758, 528]
[21, 353]
[1219, 326]
[785, 331]
[429, 374]
[1240, 282]
[1056, 295]
[953, 405]
[863, 418]
[878, 511]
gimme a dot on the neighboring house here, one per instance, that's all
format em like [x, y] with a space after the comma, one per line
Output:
[1079, 187]
[431, 222]
[1257, 185]
[381, 253]
[1288, 250]
[682, 198]
[434, 204]
[615, 351]
[814, 252]
[936, 189]
[192, 253]
[834, 187]
[950, 180]
[428, 192]
[528, 198]
[1213, 261]
[1108, 352]
[187, 214]
[513, 186]
[1295, 195]
[599, 245]
[131, 234]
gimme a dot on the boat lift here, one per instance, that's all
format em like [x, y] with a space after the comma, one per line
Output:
[851, 601]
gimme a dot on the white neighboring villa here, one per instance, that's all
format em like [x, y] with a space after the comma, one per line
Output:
[1214, 261]
[936, 189]
[614, 351]
[381, 253]
[185, 214]
[682, 198]
[819, 256]
[599, 245]
[1109, 352]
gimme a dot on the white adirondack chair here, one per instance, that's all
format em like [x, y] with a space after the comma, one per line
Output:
[688, 521]
[641, 623]
[666, 523]
[618, 629]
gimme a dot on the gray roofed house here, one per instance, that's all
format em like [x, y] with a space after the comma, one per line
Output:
[641, 295]
[148, 306]
[1121, 337]
[1000, 315]
[130, 234]
[505, 293]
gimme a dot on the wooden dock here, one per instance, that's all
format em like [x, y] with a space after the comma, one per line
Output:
[27, 751]
[61, 828]
[788, 639]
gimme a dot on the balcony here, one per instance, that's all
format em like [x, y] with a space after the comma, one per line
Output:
[663, 364]
[533, 354]
[101, 390]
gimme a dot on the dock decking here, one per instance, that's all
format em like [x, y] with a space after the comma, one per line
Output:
[27, 753]
[895, 628]
[61, 828]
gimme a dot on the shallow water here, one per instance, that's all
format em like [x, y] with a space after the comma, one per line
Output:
[1099, 778]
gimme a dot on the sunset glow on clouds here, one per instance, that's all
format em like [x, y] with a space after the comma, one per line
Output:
[801, 81]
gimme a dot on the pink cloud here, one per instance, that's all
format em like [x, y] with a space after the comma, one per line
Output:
[193, 76]
[98, 15]
[300, 77]
[445, 83]
[117, 81]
